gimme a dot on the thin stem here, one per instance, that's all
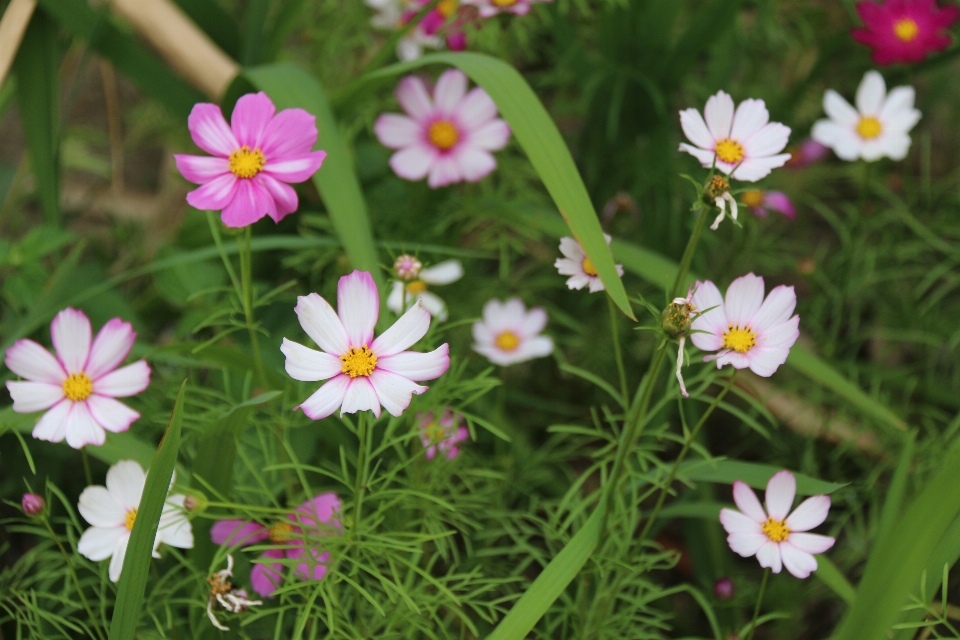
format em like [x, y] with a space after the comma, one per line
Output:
[617, 353]
[217, 240]
[756, 609]
[361, 467]
[246, 283]
[76, 580]
[698, 228]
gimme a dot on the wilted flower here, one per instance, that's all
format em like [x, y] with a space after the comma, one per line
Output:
[112, 511]
[441, 434]
[579, 267]
[292, 537]
[761, 203]
[254, 159]
[743, 144]
[777, 537]
[364, 373]
[78, 387]
[745, 329]
[904, 30]
[718, 190]
[404, 294]
[230, 598]
[676, 321]
[878, 127]
[490, 8]
[33, 505]
[446, 137]
[508, 333]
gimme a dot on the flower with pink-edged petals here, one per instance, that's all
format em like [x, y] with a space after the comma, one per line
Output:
[579, 267]
[253, 159]
[777, 537]
[441, 434]
[364, 373]
[445, 137]
[292, 538]
[904, 30]
[509, 334]
[490, 8]
[762, 203]
[746, 330]
[743, 143]
[77, 389]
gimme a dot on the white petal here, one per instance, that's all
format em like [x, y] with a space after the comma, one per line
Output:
[799, 563]
[414, 162]
[404, 333]
[443, 272]
[450, 89]
[474, 164]
[743, 300]
[82, 429]
[870, 93]
[769, 556]
[578, 281]
[753, 169]
[358, 305]
[434, 305]
[413, 97]
[445, 171]
[572, 250]
[750, 116]
[696, 129]
[418, 366]
[769, 140]
[714, 322]
[896, 146]
[811, 542]
[844, 142]
[491, 136]
[736, 522]
[111, 346]
[175, 529]
[111, 414]
[52, 427]
[705, 157]
[322, 324]
[746, 544]
[29, 397]
[308, 365]
[781, 489]
[326, 399]
[839, 110]
[898, 103]
[531, 348]
[394, 391]
[395, 299]
[71, 335]
[119, 553]
[476, 110]
[29, 360]
[395, 131]
[125, 482]
[501, 316]
[360, 396]
[747, 502]
[100, 508]
[99, 543]
[719, 115]
[776, 309]
[533, 322]
[125, 381]
[811, 513]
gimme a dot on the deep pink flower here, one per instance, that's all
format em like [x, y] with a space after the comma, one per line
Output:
[904, 30]
[78, 387]
[761, 203]
[254, 159]
[293, 539]
[441, 434]
[447, 19]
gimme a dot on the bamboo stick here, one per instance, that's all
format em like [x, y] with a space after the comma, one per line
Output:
[12, 27]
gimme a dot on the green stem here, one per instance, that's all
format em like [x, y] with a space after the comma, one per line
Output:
[76, 580]
[246, 283]
[217, 240]
[617, 353]
[361, 468]
[698, 228]
[756, 609]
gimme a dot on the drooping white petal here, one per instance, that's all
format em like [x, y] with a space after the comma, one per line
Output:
[443, 272]
[418, 366]
[308, 365]
[82, 429]
[404, 333]
[769, 556]
[799, 563]
[327, 399]
[360, 396]
[99, 543]
[394, 391]
[781, 489]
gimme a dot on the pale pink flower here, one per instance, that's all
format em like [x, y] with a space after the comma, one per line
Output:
[446, 137]
[745, 329]
[761, 203]
[78, 387]
[441, 434]
[743, 144]
[509, 334]
[254, 158]
[579, 267]
[777, 537]
[490, 8]
[364, 373]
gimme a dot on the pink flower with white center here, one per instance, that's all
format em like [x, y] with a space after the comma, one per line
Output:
[293, 539]
[255, 156]
[490, 8]
[579, 267]
[446, 137]
[743, 144]
[364, 374]
[78, 387]
[777, 537]
[509, 334]
[745, 329]
[761, 203]
[441, 434]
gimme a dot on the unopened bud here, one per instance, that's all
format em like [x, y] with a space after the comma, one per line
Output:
[33, 505]
[675, 318]
[193, 503]
[407, 267]
[723, 589]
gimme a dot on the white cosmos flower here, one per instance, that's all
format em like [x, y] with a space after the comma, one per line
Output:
[112, 510]
[508, 333]
[364, 373]
[777, 537]
[579, 267]
[404, 294]
[878, 127]
[744, 142]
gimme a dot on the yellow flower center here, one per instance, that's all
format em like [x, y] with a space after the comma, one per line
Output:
[869, 127]
[435, 433]
[776, 530]
[78, 387]
[752, 198]
[131, 518]
[508, 341]
[739, 339]
[443, 135]
[245, 163]
[447, 7]
[359, 362]
[280, 532]
[504, 3]
[588, 267]
[729, 151]
[906, 29]
[417, 286]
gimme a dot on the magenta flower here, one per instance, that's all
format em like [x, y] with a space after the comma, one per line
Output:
[761, 203]
[904, 30]
[254, 159]
[292, 539]
[441, 434]
[447, 19]
[446, 137]
[33, 505]
[490, 8]
[78, 387]
[806, 153]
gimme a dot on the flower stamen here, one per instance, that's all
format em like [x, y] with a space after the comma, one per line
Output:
[906, 29]
[245, 163]
[131, 518]
[869, 127]
[280, 532]
[739, 339]
[588, 267]
[508, 341]
[776, 530]
[359, 362]
[417, 286]
[443, 135]
[78, 387]
[729, 151]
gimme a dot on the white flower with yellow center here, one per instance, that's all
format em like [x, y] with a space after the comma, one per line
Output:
[777, 537]
[414, 281]
[112, 511]
[743, 143]
[509, 334]
[579, 267]
[878, 127]
[746, 330]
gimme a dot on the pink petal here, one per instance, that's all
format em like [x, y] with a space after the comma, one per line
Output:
[748, 503]
[474, 164]
[295, 168]
[201, 169]
[284, 197]
[492, 136]
[326, 399]
[315, 565]
[110, 414]
[414, 162]
[266, 577]
[358, 305]
[769, 556]
[360, 396]
[111, 346]
[779, 201]
[445, 171]
[322, 324]
[124, 382]
[736, 522]
[29, 397]
[292, 132]
[450, 89]
[238, 532]
[250, 118]
[251, 202]
[811, 513]
[799, 563]
[714, 322]
[71, 335]
[394, 391]
[413, 97]
[319, 510]
[395, 131]
[52, 426]
[418, 366]
[781, 489]
[696, 129]
[743, 299]
[29, 360]
[810, 542]
[210, 131]
[719, 115]
[82, 429]
[405, 332]
[749, 118]
[746, 544]
[307, 365]
[214, 195]
[476, 109]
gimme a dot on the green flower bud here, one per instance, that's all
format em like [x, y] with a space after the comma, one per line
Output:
[675, 318]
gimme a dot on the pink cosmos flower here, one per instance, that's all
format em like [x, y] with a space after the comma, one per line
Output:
[254, 158]
[490, 8]
[806, 153]
[364, 373]
[579, 267]
[744, 328]
[78, 387]
[441, 434]
[293, 539]
[509, 334]
[904, 30]
[446, 19]
[761, 203]
[777, 537]
[743, 144]
[446, 137]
